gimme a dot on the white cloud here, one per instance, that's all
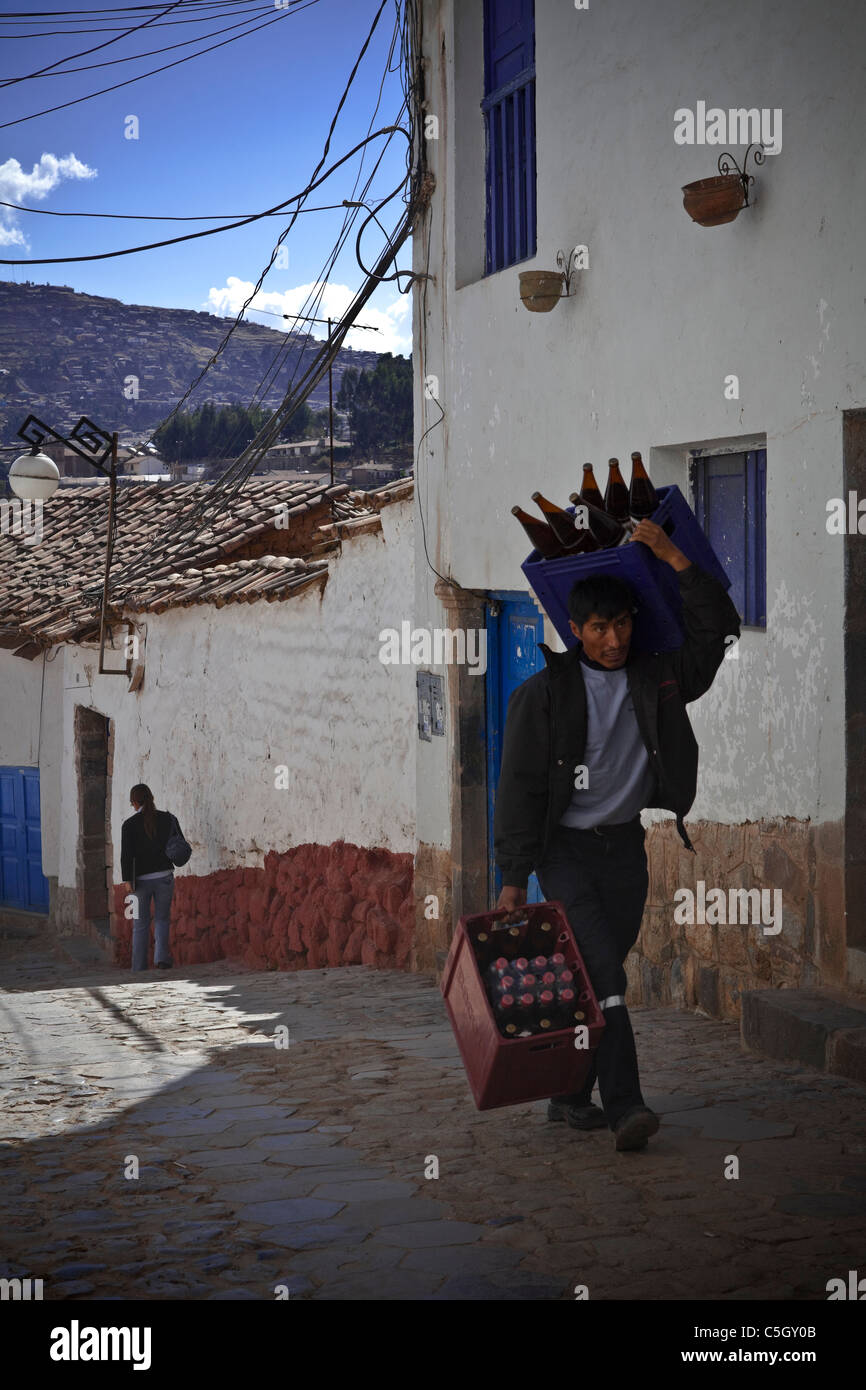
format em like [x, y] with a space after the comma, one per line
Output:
[393, 321]
[17, 186]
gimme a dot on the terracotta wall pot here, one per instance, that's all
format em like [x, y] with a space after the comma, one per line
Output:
[714, 201]
[540, 290]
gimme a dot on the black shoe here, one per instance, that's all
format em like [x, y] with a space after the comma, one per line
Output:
[633, 1129]
[164, 964]
[578, 1116]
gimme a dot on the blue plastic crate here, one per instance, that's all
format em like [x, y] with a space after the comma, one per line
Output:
[658, 624]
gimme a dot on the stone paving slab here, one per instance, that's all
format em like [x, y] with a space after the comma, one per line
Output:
[261, 1165]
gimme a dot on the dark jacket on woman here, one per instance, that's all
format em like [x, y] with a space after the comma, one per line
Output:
[139, 854]
[545, 730]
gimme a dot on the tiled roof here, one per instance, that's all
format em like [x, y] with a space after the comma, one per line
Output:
[51, 591]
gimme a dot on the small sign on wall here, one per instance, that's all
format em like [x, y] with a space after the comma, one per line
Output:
[431, 706]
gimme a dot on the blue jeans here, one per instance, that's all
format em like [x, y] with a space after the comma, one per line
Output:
[159, 891]
[602, 882]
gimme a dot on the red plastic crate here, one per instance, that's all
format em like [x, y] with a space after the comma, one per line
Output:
[509, 1071]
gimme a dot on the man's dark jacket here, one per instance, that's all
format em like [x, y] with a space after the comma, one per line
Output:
[545, 731]
[139, 854]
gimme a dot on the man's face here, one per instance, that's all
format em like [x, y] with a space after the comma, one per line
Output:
[606, 640]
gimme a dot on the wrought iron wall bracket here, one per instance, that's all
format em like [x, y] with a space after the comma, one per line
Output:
[567, 266]
[726, 159]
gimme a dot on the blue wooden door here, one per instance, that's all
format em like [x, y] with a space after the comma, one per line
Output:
[514, 629]
[22, 882]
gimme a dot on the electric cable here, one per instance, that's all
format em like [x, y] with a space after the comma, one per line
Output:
[208, 231]
[313, 184]
[162, 217]
[241, 468]
[125, 35]
[131, 57]
[76, 101]
[122, 15]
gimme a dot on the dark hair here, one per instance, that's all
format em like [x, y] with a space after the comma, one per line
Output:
[143, 797]
[603, 594]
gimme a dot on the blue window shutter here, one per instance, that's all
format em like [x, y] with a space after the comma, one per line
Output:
[509, 41]
[509, 111]
[730, 504]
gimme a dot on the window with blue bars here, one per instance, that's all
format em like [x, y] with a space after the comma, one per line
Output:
[509, 116]
[730, 493]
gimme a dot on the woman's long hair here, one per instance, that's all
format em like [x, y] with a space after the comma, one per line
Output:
[143, 797]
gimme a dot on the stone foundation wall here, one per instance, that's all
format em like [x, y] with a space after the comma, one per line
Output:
[66, 916]
[311, 906]
[712, 965]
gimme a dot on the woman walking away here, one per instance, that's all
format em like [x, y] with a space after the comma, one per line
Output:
[149, 874]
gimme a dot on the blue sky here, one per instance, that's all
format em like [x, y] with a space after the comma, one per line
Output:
[232, 132]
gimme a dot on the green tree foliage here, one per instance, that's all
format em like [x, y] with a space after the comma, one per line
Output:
[222, 431]
[378, 403]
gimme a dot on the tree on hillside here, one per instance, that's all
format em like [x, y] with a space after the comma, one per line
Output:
[209, 431]
[378, 403]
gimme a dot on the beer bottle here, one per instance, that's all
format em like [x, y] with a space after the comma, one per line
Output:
[590, 491]
[574, 538]
[566, 1006]
[616, 493]
[606, 529]
[543, 539]
[524, 1012]
[505, 1011]
[546, 1011]
[542, 937]
[642, 497]
[505, 984]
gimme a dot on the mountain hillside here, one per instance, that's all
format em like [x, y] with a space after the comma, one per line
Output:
[65, 354]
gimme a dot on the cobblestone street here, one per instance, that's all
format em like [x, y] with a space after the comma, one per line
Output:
[304, 1166]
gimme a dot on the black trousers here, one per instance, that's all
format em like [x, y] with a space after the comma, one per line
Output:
[600, 877]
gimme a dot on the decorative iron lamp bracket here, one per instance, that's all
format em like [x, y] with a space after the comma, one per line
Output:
[87, 440]
[726, 159]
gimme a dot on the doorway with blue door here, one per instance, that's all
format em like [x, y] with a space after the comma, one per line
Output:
[515, 628]
[23, 886]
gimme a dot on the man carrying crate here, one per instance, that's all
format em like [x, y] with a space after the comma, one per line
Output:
[590, 741]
